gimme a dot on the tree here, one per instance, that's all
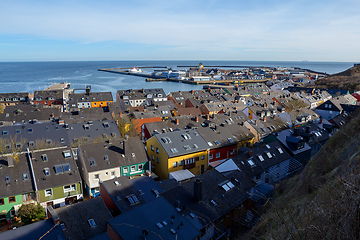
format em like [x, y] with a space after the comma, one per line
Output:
[30, 213]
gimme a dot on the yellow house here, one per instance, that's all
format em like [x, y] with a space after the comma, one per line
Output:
[100, 103]
[178, 150]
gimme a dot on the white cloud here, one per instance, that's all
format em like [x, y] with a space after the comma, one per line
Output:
[293, 27]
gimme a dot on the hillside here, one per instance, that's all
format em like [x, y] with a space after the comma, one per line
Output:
[322, 202]
[348, 80]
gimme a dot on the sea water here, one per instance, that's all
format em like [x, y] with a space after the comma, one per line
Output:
[33, 76]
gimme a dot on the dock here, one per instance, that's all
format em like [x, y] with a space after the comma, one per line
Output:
[152, 78]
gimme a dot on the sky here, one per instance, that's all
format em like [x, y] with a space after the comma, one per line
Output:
[256, 30]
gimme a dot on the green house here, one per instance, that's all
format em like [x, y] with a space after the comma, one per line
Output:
[16, 185]
[106, 161]
[57, 177]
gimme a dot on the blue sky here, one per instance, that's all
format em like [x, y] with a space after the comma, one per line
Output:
[266, 30]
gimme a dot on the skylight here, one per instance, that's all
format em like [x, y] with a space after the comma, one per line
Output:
[187, 147]
[252, 164]
[261, 158]
[280, 150]
[58, 169]
[92, 223]
[25, 176]
[269, 154]
[67, 154]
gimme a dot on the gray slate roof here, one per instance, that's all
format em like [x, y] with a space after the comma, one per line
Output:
[16, 183]
[180, 138]
[130, 225]
[54, 158]
[76, 219]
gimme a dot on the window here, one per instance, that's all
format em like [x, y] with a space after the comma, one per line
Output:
[48, 192]
[62, 140]
[210, 156]
[2, 202]
[202, 157]
[46, 171]
[17, 131]
[113, 173]
[217, 155]
[140, 167]
[69, 188]
[12, 199]
[174, 164]
[125, 170]
[181, 162]
[29, 130]
[58, 169]
[31, 143]
[92, 223]
[28, 197]
[25, 176]
[66, 167]
[5, 132]
[157, 150]
[44, 157]
[133, 168]
[157, 160]
[152, 148]
[96, 176]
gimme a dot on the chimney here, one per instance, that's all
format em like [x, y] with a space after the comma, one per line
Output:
[255, 121]
[192, 91]
[296, 131]
[198, 190]
[264, 119]
[53, 215]
[265, 105]
[274, 117]
[121, 114]
[10, 161]
[251, 153]
[207, 117]
[177, 121]
[320, 120]
[88, 89]
[196, 119]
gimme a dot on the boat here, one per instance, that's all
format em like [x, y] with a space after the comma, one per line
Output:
[136, 70]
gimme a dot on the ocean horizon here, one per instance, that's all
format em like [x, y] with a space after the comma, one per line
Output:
[37, 75]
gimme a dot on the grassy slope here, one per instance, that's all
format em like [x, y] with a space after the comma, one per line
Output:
[349, 80]
[323, 202]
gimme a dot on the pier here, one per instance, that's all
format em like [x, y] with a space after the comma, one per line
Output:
[154, 78]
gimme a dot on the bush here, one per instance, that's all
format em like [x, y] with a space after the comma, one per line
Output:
[30, 213]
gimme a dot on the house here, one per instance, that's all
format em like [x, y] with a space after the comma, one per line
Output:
[49, 97]
[44, 230]
[153, 220]
[89, 99]
[177, 150]
[9, 99]
[83, 220]
[16, 185]
[57, 178]
[139, 97]
[26, 113]
[329, 109]
[295, 144]
[105, 161]
[122, 194]
[92, 131]
[221, 197]
[33, 135]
